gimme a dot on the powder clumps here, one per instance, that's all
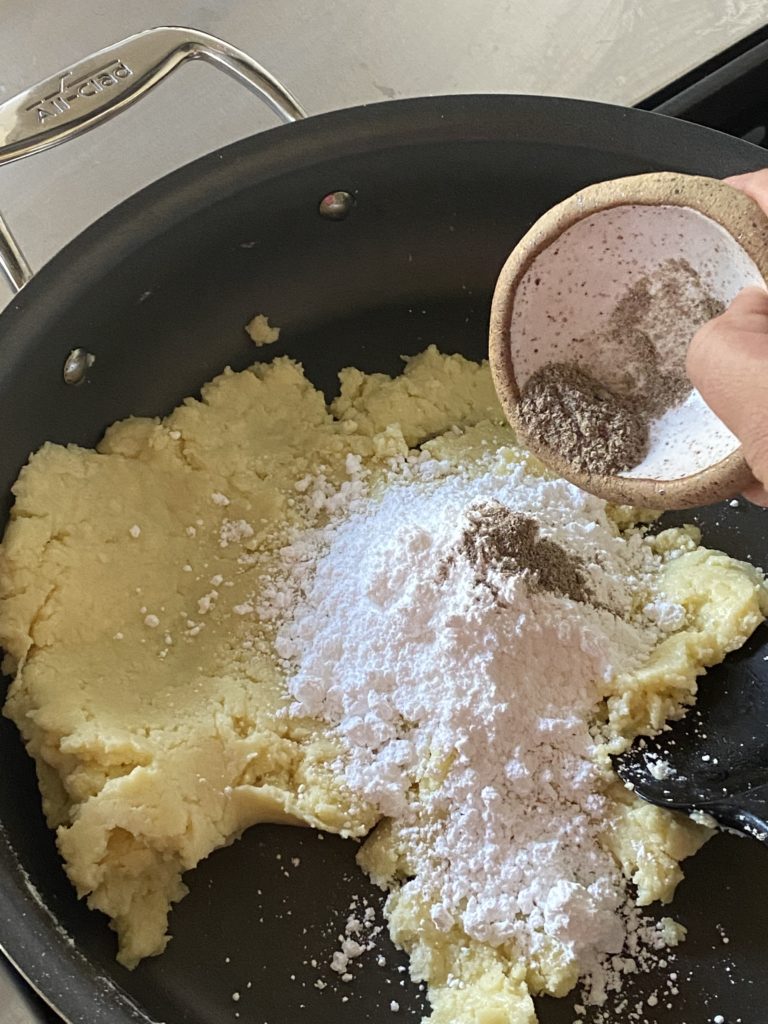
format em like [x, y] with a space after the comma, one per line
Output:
[500, 540]
[566, 410]
[464, 708]
[360, 936]
[595, 411]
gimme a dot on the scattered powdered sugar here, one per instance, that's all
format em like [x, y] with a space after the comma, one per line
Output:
[464, 697]
[233, 531]
[207, 602]
[658, 767]
[359, 937]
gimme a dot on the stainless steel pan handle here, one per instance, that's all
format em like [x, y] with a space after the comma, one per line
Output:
[100, 86]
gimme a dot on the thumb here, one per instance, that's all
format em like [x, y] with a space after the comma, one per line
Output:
[728, 364]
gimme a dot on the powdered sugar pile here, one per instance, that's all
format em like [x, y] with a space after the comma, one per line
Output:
[464, 704]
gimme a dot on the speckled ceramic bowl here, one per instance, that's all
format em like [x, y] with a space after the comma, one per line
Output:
[562, 282]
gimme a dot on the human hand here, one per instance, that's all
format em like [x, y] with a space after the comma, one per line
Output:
[728, 361]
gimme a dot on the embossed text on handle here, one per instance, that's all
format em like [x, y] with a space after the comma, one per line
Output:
[85, 94]
[78, 99]
[72, 90]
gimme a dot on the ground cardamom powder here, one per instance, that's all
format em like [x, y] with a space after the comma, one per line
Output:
[565, 409]
[600, 424]
[500, 540]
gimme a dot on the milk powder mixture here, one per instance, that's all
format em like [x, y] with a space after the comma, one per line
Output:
[379, 618]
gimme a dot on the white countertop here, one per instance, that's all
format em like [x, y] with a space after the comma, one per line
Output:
[330, 55]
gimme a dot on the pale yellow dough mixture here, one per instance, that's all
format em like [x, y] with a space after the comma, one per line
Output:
[147, 695]
[261, 332]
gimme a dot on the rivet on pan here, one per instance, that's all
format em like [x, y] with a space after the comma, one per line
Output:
[336, 205]
[76, 365]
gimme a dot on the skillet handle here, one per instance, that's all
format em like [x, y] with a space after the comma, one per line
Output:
[100, 86]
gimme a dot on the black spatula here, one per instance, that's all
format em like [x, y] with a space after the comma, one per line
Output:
[715, 760]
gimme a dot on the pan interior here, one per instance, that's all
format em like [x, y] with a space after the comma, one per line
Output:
[163, 310]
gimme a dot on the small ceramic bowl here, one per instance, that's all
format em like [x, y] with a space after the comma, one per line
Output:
[563, 281]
